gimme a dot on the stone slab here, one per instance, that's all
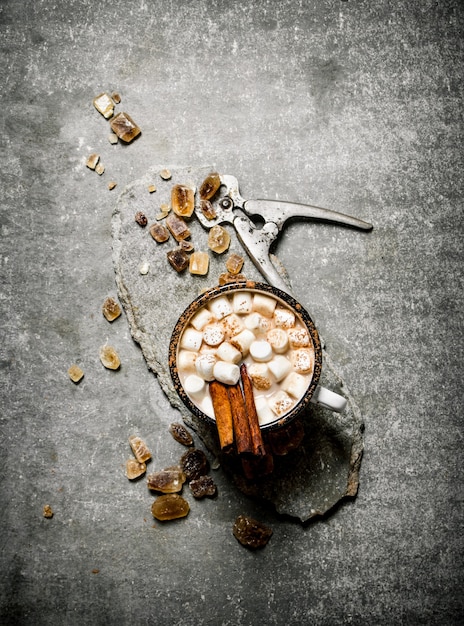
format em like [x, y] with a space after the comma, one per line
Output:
[324, 469]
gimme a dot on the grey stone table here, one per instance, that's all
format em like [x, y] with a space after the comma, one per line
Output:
[349, 105]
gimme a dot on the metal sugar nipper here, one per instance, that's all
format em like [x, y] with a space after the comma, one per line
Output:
[231, 208]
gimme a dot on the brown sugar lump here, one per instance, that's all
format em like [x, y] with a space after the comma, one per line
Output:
[203, 487]
[183, 200]
[251, 533]
[135, 469]
[210, 186]
[47, 511]
[178, 259]
[124, 127]
[75, 373]
[141, 219]
[218, 239]
[194, 463]
[169, 480]
[181, 434]
[159, 232]
[177, 227]
[234, 264]
[169, 506]
[109, 357]
[139, 448]
[199, 263]
[104, 105]
[92, 161]
[111, 309]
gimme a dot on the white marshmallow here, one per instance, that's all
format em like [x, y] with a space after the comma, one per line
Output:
[232, 325]
[257, 323]
[194, 386]
[252, 321]
[264, 304]
[298, 337]
[280, 403]
[261, 351]
[303, 361]
[200, 319]
[243, 341]
[204, 366]
[260, 376]
[186, 361]
[227, 373]
[213, 334]
[279, 367]
[278, 339]
[227, 352]
[265, 414]
[220, 307]
[295, 385]
[242, 302]
[284, 318]
[191, 339]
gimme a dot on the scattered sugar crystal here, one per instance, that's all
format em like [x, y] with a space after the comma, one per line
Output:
[104, 105]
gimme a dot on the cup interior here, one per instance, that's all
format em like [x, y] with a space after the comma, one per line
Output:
[261, 326]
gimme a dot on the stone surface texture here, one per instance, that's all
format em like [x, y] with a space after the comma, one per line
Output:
[352, 105]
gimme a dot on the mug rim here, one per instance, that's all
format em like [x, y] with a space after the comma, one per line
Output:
[247, 285]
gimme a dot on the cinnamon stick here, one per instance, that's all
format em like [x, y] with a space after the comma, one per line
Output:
[222, 413]
[257, 444]
[243, 441]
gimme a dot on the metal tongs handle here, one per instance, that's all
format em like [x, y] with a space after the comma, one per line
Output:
[279, 212]
[258, 241]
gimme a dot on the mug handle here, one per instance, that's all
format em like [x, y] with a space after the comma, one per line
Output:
[329, 399]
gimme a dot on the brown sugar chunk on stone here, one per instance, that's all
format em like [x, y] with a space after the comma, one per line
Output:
[181, 434]
[169, 506]
[194, 463]
[139, 448]
[203, 486]
[124, 127]
[251, 533]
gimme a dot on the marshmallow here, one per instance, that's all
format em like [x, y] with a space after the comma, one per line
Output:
[302, 361]
[186, 360]
[260, 376]
[242, 302]
[264, 304]
[243, 341]
[298, 337]
[204, 366]
[284, 318]
[279, 367]
[280, 403]
[194, 386]
[278, 339]
[265, 414]
[213, 334]
[191, 339]
[200, 319]
[261, 351]
[220, 307]
[295, 385]
[232, 325]
[257, 323]
[227, 352]
[252, 321]
[227, 373]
